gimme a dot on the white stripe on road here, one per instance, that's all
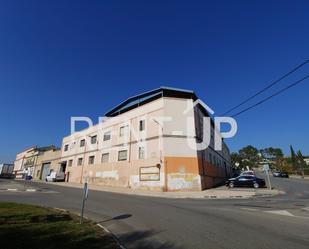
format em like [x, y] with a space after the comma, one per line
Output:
[280, 212]
[306, 209]
[31, 190]
[250, 209]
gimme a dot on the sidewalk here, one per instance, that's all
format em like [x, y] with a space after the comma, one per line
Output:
[215, 193]
[299, 177]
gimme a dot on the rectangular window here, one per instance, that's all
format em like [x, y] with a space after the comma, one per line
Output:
[91, 160]
[93, 139]
[70, 163]
[123, 130]
[66, 147]
[122, 155]
[80, 161]
[105, 158]
[107, 136]
[82, 143]
[142, 125]
[141, 153]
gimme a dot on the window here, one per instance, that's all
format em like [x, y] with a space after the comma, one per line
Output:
[93, 139]
[70, 163]
[123, 130]
[142, 125]
[91, 160]
[122, 155]
[80, 161]
[66, 147]
[105, 158]
[107, 136]
[82, 143]
[141, 153]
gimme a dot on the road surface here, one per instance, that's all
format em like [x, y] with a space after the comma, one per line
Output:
[151, 222]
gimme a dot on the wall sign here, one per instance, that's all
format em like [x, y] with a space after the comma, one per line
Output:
[151, 173]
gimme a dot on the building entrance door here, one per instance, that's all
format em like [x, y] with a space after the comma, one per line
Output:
[63, 167]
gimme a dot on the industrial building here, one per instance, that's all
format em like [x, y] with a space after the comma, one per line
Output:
[148, 142]
[37, 162]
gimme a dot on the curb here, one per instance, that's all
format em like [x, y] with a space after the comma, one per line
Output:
[209, 196]
[113, 235]
[19, 190]
[99, 225]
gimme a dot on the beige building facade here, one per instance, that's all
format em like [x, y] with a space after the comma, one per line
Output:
[150, 141]
[29, 162]
[47, 162]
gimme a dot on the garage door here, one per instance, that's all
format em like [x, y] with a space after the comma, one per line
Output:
[45, 170]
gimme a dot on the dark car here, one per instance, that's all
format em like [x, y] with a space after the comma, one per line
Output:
[280, 174]
[245, 181]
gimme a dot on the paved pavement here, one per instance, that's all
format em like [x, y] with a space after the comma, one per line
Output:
[152, 222]
[214, 193]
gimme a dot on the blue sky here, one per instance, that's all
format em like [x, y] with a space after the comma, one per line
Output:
[60, 59]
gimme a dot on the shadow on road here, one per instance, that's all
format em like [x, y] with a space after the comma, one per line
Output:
[119, 217]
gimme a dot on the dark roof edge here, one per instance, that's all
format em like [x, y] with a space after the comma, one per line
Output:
[165, 92]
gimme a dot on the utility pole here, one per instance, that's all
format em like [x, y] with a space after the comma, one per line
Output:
[85, 196]
[266, 169]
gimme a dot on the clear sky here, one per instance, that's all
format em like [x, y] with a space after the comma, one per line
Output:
[67, 58]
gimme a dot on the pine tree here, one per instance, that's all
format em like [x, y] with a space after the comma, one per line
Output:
[293, 160]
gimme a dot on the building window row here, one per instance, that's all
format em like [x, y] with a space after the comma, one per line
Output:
[123, 131]
[122, 156]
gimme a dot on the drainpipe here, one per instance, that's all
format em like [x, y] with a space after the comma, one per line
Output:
[84, 159]
[161, 156]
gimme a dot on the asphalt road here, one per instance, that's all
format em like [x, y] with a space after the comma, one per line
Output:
[145, 222]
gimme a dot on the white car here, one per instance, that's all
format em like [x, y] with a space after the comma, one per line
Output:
[55, 176]
[248, 173]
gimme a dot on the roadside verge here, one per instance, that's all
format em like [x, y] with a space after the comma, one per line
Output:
[43, 227]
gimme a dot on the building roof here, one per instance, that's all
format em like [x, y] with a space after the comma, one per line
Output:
[143, 98]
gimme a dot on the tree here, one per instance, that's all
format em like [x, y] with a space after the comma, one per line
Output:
[286, 165]
[301, 163]
[249, 156]
[273, 155]
[293, 159]
[236, 161]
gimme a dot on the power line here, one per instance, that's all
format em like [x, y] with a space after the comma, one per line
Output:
[267, 87]
[273, 95]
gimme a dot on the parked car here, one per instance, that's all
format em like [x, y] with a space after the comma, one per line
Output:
[280, 174]
[245, 181]
[55, 177]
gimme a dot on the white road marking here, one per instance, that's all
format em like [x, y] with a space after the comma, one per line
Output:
[12, 189]
[113, 235]
[250, 209]
[306, 209]
[31, 190]
[280, 212]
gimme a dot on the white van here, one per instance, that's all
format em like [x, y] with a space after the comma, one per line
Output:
[55, 177]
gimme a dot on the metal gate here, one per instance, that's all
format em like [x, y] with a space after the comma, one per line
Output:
[45, 170]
